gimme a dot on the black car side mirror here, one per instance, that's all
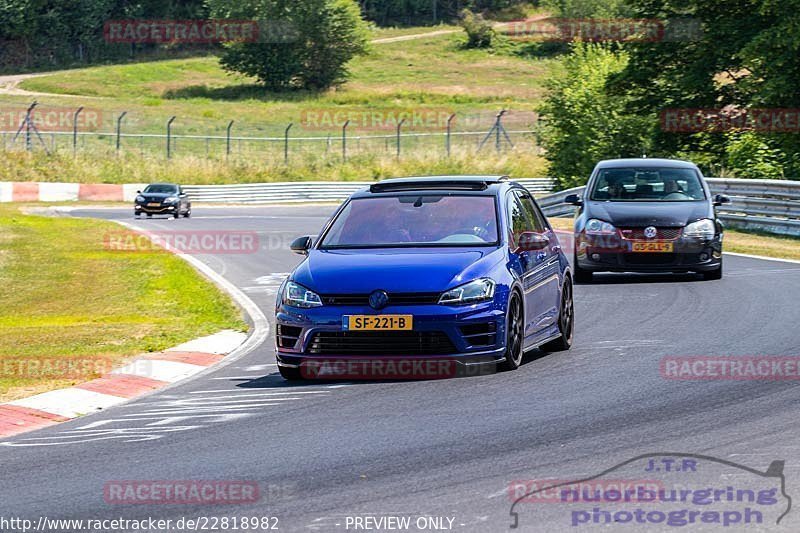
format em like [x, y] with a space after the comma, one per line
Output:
[301, 245]
[138, 192]
[573, 199]
[721, 199]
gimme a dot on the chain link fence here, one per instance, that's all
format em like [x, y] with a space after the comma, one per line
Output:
[53, 129]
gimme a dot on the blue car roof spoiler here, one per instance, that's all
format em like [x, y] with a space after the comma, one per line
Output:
[468, 183]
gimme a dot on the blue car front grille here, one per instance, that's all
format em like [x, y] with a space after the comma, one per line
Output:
[406, 298]
[398, 343]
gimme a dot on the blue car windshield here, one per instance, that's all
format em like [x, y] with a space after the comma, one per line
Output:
[648, 185]
[414, 220]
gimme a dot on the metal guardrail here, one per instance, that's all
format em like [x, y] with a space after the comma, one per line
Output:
[771, 206]
[305, 191]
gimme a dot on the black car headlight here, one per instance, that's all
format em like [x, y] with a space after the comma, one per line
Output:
[599, 227]
[171, 200]
[479, 290]
[140, 199]
[296, 295]
[702, 229]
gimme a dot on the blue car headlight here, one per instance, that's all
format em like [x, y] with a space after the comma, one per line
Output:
[140, 199]
[298, 296]
[171, 200]
[479, 290]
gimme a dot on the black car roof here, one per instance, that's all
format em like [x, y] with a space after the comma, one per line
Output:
[645, 162]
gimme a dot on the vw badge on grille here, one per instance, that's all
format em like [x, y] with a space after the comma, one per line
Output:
[650, 232]
[378, 300]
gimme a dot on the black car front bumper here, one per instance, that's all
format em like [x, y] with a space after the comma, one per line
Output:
[688, 255]
[153, 210]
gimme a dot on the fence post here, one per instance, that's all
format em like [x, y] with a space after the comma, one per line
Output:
[449, 129]
[228, 139]
[344, 141]
[169, 136]
[286, 143]
[28, 145]
[498, 128]
[119, 127]
[399, 125]
[75, 130]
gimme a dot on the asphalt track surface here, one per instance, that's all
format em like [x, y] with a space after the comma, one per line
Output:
[322, 452]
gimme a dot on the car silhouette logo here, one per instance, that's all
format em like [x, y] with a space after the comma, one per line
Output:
[378, 300]
[650, 232]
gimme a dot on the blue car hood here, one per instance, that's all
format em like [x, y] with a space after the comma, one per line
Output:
[394, 270]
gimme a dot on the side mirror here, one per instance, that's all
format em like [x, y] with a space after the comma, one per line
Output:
[138, 192]
[721, 199]
[530, 240]
[301, 245]
[573, 199]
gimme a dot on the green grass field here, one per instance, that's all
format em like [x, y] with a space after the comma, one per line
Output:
[66, 296]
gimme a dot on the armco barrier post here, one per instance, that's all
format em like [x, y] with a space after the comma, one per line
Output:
[119, 127]
[169, 136]
[75, 130]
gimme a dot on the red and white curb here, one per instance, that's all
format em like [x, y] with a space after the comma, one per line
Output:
[140, 376]
[23, 191]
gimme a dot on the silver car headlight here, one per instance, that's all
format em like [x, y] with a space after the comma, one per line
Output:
[171, 199]
[599, 227]
[479, 290]
[139, 199]
[702, 229]
[296, 295]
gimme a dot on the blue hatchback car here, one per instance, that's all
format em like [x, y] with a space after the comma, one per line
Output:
[465, 269]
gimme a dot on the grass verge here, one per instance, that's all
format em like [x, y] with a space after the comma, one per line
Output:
[67, 300]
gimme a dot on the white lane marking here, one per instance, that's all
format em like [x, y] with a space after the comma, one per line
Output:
[251, 392]
[222, 342]
[763, 258]
[256, 394]
[255, 368]
[241, 377]
[69, 403]
[169, 371]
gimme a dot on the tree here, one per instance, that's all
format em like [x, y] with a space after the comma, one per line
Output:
[582, 123]
[304, 44]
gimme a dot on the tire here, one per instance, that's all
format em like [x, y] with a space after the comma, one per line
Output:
[149, 215]
[290, 374]
[713, 275]
[581, 275]
[177, 213]
[188, 213]
[566, 322]
[515, 329]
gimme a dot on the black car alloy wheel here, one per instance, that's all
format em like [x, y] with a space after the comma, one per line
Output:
[514, 334]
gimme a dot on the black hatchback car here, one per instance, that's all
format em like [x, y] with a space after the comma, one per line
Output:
[647, 215]
[162, 199]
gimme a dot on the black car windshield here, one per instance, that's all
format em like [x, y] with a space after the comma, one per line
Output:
[648, 185]
[416, 220]
[159, 188]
